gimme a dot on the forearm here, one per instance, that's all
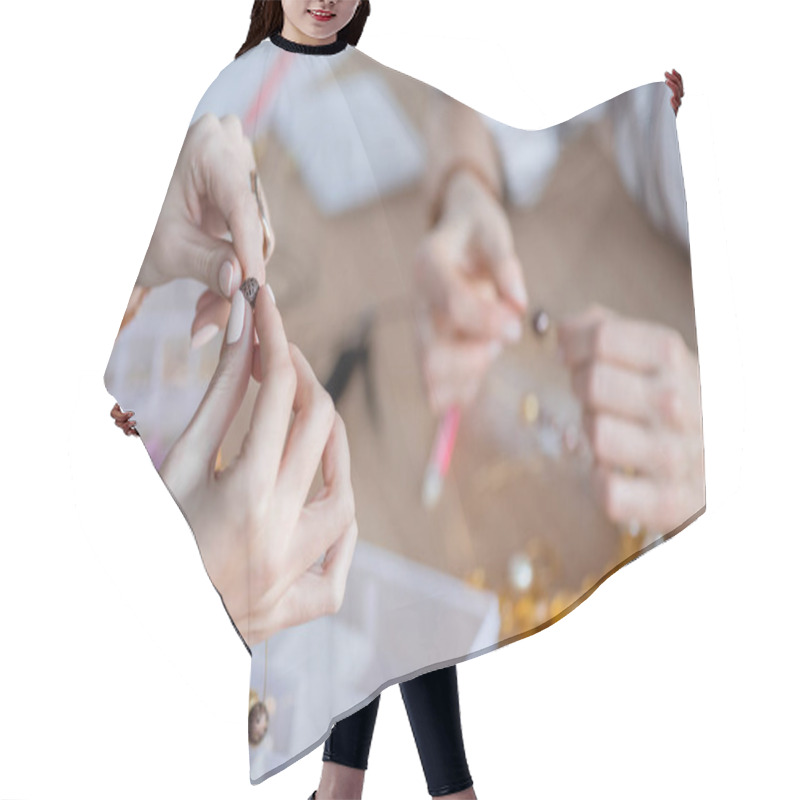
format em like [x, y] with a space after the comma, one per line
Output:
[457, 137]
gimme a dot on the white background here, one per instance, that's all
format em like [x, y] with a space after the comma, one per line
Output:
[120, 675]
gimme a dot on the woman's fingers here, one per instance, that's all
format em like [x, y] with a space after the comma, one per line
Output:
[620, 443]
[625, 497]
[639, 370]
[209, 319]
[263, 445]
[119, 415]
[675, 83]
[212, 261]
[605, 387]
[204, 434]
[461, 290]
[332, 510]
[338, 561]
[319, 591]
[600, 335]
[314, 416]
[473, 309]
[228, 165]
[661, 506]
[496, 244]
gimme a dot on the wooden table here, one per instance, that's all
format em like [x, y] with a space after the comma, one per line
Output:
[584, 242]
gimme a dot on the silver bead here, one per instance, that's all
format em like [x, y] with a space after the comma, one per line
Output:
[540, 322]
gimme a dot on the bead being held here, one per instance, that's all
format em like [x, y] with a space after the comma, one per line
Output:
[249, 289]
[540, 322]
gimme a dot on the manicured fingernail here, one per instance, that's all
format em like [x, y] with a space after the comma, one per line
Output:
[519, 294]
[494, 349]
[513, 330]
[204, 335]
[271, 293]
[226, 279]
[270, 244]
[236, 319]
[562, 356]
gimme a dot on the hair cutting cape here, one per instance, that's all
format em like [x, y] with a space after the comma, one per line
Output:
[519, 533]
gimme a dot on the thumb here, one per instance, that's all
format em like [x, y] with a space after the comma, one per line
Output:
[203, 436]
[213, 262]
[505, 266]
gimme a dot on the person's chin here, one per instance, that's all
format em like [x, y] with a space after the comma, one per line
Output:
[318, 37]
[319, 31]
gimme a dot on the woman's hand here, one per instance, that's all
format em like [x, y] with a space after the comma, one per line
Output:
[675, 82]
[210, 197]
[124, 420]
[471, 292]
[640, 389]
[260, 539]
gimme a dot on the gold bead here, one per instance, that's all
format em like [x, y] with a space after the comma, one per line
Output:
[477, 578]
[530, 408]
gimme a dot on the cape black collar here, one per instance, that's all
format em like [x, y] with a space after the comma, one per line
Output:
[308, 49]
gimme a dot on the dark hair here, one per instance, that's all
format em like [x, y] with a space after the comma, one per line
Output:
[266, 18]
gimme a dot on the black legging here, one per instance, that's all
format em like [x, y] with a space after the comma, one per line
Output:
[432, 706]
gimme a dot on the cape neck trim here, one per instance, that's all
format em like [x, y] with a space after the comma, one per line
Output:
[308, 49]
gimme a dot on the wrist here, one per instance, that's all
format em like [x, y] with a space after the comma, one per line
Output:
[462, 182]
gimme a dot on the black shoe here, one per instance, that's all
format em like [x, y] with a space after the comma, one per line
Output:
[313, 795]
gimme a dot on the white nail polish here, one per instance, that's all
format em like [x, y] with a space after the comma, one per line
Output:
[236, 319]
[204, 335]
[226, 278]
[271, 293]
[518, 293]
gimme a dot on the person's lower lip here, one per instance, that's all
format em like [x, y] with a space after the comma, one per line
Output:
[322, 17]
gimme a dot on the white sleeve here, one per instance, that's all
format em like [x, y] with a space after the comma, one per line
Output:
[648, 157]
[236, 88]
[527, 159]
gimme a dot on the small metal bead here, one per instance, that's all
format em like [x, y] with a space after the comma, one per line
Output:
[249, 289]
[540, 322]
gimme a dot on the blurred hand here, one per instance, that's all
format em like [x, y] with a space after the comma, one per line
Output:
[471, 292]
[210, 197]
[124, 420]
[675, 82]
[639, 386]
[260, 539]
